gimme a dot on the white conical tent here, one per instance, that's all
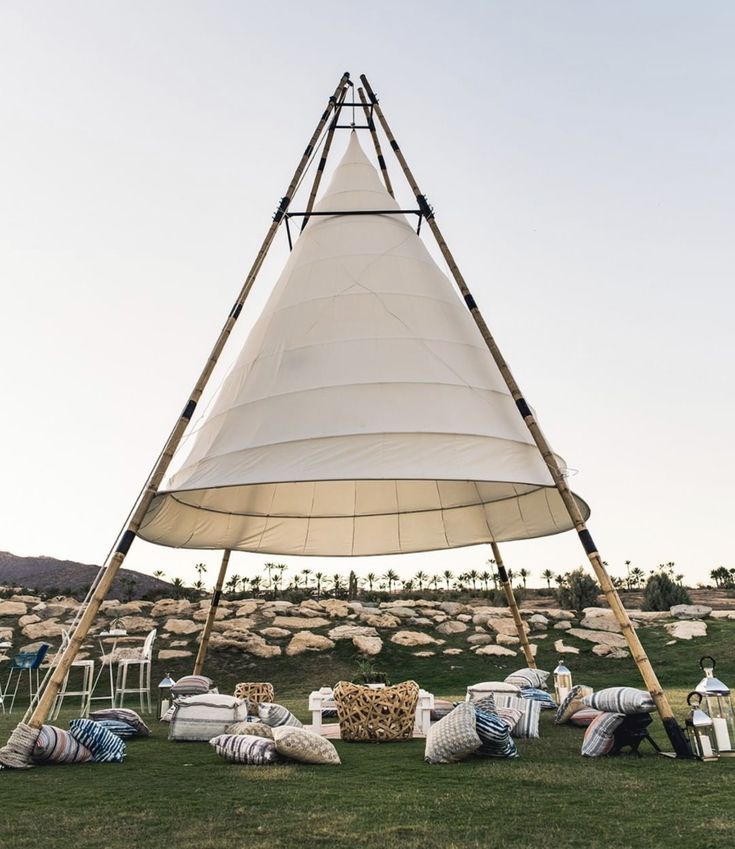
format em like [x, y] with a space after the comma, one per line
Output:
[364, 414]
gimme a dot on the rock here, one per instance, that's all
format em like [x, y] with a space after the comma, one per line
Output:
[537, 636]
[564, 625]
[453, 607]
[176, 643]
[402, 612]
[240, 624]
[335, 608]
[181, 626]
[171, 654]
[28, 599]
[6, 633]
[600, 619]
[560, 648]
[406, 603]
[646, 617]
[171, 607]
[32, 647]
[38, 630]
[306, 641]
[690, 611]
[348, 632]
[280, 606]
[422, 620]
[28, 619]
[670, 643]
[219, 614]
[412, 638]
[722, 614]
[13, 608]
[481, 639]
[609, 651]
[605, 638]
[312, 604]
[423, 653]
[130, 608]
[250, 643]
[307, 612]
[504, 626]
[507, 640]
[380, 620]
[452, 651]
[687, 629]
[538, 619]
[137, 624]
[299, 622]
[246, 607]
[451, 627]
[355, 606]
[367, 645]
[496, 651]
[275, 633]
[462, 617]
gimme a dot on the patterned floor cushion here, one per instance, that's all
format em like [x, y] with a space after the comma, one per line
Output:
[105, 746]
[241, 749]
[254, 729]
[572, 703]
[305, 746]
[275, 715]
[192, 685]
[494, 735]
[199, 718]
[624, 700]
[254, 692]
[121, 729]
[56, 746]
[598, 738]
[528, 677]
[441, 708]
[486, 703]
[540, 696]
[486, 688]
[510, 716]
[528, 724]
[454, 737]
[584, 717]
[123, 715]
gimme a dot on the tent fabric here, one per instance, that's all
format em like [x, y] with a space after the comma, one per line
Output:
[364, 414]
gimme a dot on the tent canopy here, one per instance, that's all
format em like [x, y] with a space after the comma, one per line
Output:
[364, 414]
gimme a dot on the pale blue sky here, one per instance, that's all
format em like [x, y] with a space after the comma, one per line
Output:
[580, 159]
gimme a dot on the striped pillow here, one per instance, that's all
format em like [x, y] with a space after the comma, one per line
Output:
[486, 703]
[528, 677]
[495, 736]
[509, 716]
[300, 744]
[527, 725]
[598, 738]
[121, 729]
[242, 749]
[254, 729]
[56, 746]
[199, 718]
[624, 700]
[123, 715]
[540, 696]
[584, 717]
[275, 715]
[572, 703]
[484, 688]
[454, 737]
[192, 685]
[105, 746]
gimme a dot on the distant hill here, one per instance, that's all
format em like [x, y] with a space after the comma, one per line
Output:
[66, 576]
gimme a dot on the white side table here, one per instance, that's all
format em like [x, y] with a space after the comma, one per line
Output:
[321, 700]
[423, 712]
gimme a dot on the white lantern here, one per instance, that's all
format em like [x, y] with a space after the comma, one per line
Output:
[562, 682]
[164, 695]
[718, 705]
[700, 730]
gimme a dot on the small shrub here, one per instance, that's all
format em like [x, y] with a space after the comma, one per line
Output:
[578, 591]
[368, 674]
[661, 593]
[497, 597]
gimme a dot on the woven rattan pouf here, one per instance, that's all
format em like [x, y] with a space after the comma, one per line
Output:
[255, 692]
[368, 715]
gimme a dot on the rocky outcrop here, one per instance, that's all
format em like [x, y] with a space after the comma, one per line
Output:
[299, 622]
[347, 632]
[560, 648]
[412, 638]
[690, 611]
[451, 627]
[307, 641]
[604, 638]
[687, 629]
[496, 651]
[370, 646]
[181, 626]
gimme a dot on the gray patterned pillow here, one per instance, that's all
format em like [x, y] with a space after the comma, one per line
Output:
[528, 677]
[572, 703]
[486, 703]
[254, 729]
[275, 715]
[527, 725]
[625, 700]
[242, 749]
[305, 746]
[454, 737]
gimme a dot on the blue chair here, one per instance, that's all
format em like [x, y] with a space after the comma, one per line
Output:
[30, 662]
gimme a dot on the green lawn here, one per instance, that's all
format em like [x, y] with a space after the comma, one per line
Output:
[182, 795]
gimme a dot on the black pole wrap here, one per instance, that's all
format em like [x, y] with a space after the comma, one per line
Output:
[216, 596]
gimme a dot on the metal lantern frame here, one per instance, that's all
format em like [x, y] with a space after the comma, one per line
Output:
[717, 703]
[700, 730]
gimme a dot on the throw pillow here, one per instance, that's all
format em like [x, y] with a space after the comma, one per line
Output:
[528, 724]
[494, 735]
[242, 749]
[584, 717]
[123, 715]
[121, 729]
[528, 677]
[540, 696]
[510, 716]
[275, 715]
[254, 729]
[199, 718]
[572, 703]
[454, 737]
[441, 708]
[624, 700]
[56, 746]
[484, 688]
[305, 746]
[486, 703]
[105, 746]
[598, 738]
[192, 685]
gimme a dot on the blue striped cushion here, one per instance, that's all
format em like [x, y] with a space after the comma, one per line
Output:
[527, 725]
[243, 749]
[275, 715]
[127, 715]
[495, 736]
[120, 729]
[56, 746]
[541, 696]
[105, 746]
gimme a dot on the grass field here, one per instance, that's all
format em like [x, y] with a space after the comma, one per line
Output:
[182, 795]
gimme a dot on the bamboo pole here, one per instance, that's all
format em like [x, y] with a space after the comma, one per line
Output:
[513, 605]
[376, 142]
[116, 559]
[325, 153]
[674, 732]
[211, 613]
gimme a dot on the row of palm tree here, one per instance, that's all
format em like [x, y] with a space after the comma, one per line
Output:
[275, 580]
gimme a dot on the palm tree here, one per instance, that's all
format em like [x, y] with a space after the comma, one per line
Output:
[493, 572]
[547, 575]
[336, 583]
[637, 575]
[447, 574]
[232, 583]
[510, 575]
[371, 578]
[391, 577]
[472, 576]
[160, 574]
[306, 573]
[408, 585]
[524, 576]
[486, 577]
[421, 577]
[627, 574]
[201, 568]
[178, 587]
[434, 581]
[318, 577]
[255, 585]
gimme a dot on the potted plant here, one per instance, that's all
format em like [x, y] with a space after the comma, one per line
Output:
[116, 627]
[369, 676]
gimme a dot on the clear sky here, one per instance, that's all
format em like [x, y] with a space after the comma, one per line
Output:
[580, 159]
